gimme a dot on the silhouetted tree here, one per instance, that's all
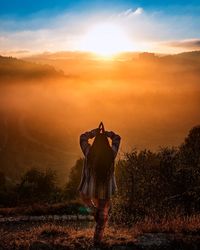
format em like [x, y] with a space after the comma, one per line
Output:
[153, 182]
[188, 181]
[70, 191]
[168, 160]
[138, 179]
[37, 186]
[190, 149]
[2, 181]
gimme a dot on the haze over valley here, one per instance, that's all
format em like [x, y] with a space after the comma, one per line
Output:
[47, 101]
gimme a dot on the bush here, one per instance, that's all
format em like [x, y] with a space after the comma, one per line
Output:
[37, 186]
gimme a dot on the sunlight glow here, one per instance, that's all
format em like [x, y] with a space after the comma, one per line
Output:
[106, 39]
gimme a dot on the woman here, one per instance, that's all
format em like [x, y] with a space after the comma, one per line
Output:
[98, 180]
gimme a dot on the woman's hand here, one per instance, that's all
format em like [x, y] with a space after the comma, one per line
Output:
[94, 132]
[109, 134]
[101, 127]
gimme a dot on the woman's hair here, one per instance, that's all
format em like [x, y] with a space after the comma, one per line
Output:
[101, 158]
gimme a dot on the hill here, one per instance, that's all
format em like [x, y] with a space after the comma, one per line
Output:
[25, 141]
[12, 69]
[125, 65]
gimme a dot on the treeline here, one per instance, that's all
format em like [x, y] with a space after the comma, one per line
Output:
[34, 186]
[160, 183]
[14, 69]
[149, 183]
[38, 187]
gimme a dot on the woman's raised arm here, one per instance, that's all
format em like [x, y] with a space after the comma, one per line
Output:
[115, 141]
[84, 140]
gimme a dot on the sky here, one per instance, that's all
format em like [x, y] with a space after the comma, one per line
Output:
[32, 26]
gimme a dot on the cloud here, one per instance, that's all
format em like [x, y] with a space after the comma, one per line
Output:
[131, 12]
[16, 53]
[138, 11]
[61, 32]
[185, 44]
[65, 30]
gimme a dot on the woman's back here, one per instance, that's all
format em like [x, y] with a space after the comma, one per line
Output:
[101, 158]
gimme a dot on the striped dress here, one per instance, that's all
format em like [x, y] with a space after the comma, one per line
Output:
[88, 185]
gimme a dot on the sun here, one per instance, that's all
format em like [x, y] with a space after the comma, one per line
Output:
[106, 39]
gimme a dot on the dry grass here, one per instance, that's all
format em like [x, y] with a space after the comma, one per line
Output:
[72, 237]
[176, 224]
[56, 235]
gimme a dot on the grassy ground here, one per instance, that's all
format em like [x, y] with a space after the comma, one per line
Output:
[76, 236]
[58, 236]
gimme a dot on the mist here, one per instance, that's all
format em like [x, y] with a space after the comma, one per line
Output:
[151, 103]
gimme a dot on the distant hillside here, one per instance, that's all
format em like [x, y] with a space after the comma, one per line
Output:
[193, 55]
[24, 143]
[12, 68]
[130, 64]
[68, 55]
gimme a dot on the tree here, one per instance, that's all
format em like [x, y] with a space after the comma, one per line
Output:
[168, 158]
[74, 180]
[138, 181]
[188, 180]
[2, 181]
[37, 186]
[190, 149]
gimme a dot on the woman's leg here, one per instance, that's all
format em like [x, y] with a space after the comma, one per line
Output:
[101, 218]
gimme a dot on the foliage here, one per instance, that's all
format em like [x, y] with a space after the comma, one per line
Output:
[164, 181]
[37, 186]
[70, 191]
[149, 183]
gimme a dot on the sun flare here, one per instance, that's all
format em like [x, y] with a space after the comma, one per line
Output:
[106, 39]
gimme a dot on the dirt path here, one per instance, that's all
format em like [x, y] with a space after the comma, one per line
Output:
[46, 218]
